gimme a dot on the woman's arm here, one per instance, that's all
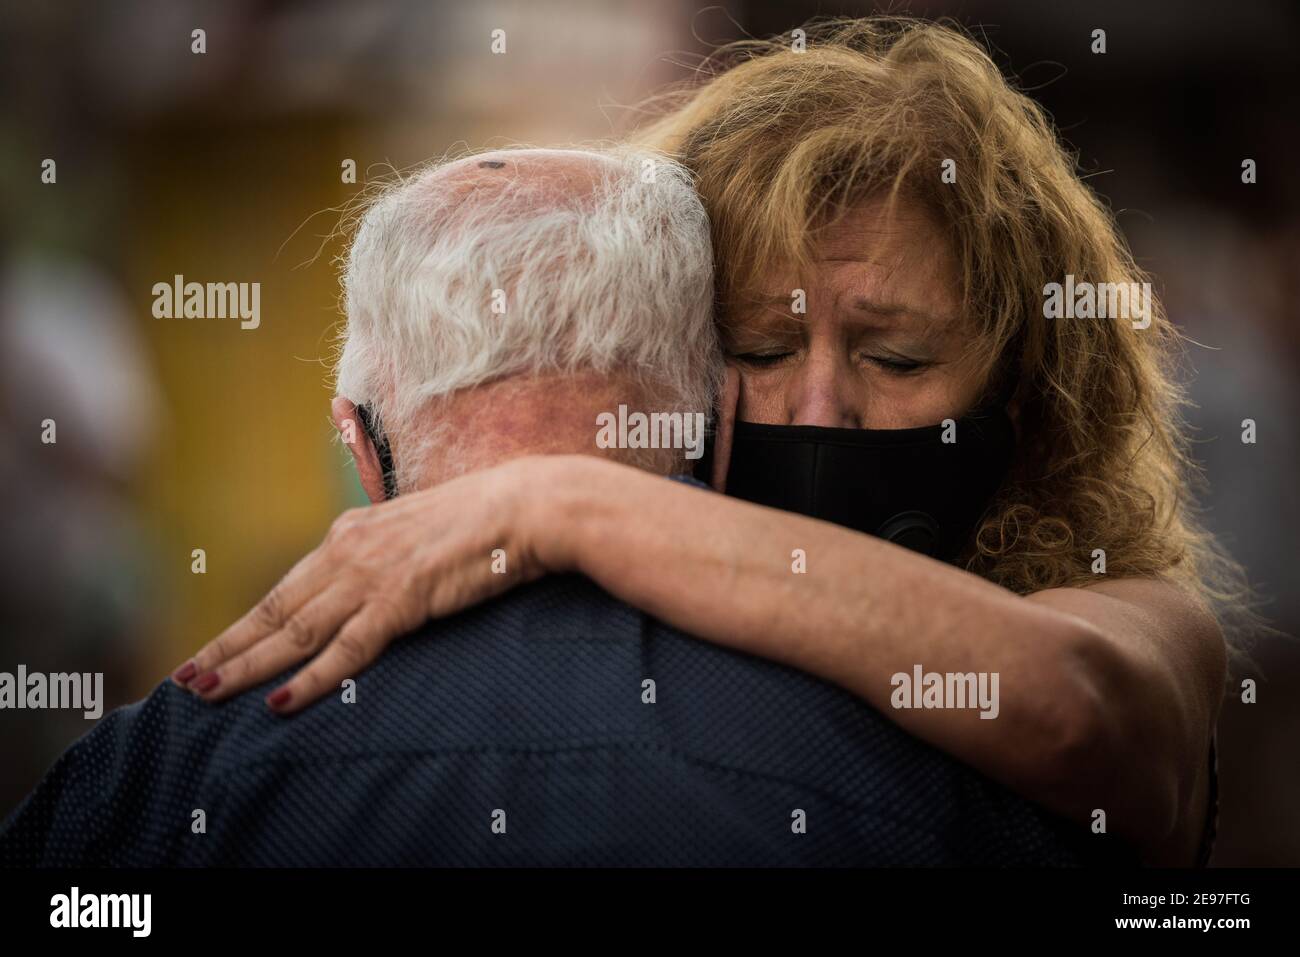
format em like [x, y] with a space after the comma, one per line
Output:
[1108, 694]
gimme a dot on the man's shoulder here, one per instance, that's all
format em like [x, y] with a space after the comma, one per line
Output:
[553, 607]
[556, 692]
[563, 647]
[570, 622]
[557, 661]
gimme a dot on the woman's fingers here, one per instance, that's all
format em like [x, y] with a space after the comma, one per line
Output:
[357, 644]
[380, 573]
[266, 618]
[303, 633]
[311, 576]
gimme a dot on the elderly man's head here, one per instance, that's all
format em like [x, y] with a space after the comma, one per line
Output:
[497, 304]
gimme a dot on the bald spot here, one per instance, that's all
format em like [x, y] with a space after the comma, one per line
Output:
[536, 179]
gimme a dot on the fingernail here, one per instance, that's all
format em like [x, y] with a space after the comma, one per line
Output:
[278, 699]
[185, 672]
[206, 683]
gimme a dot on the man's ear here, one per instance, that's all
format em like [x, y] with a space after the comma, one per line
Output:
[728, 402]
[344, 414]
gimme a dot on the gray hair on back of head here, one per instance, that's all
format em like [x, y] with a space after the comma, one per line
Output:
[618, 280]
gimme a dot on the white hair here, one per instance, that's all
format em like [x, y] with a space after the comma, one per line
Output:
[452, 281]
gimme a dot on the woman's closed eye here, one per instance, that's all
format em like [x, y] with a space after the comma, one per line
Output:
[762, 359]
[894, 365]
[898, 365]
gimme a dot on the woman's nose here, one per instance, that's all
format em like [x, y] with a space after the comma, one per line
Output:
[824, 393]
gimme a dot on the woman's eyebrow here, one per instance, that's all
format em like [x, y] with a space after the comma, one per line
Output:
[773, 299]
[877, 307]
[774, 309]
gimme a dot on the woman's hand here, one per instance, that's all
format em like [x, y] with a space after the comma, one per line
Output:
[381, 572]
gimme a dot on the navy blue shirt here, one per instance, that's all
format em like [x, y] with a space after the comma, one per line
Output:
[554, 725]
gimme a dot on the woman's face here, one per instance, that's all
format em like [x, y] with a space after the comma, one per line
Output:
[880, 345]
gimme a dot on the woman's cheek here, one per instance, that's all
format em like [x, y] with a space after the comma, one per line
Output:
[931, 399]
[762, 397]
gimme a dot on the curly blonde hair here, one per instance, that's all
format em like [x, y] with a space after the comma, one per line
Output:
[783, 141]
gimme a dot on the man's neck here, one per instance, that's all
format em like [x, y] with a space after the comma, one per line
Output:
[484, 426]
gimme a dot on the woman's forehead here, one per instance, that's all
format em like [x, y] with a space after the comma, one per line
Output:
[880, 287]
[897, 255]
[904, 234]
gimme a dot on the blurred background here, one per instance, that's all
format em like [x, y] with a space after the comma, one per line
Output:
[227, 166]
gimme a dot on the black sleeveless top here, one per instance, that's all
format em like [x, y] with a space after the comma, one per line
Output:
[1212, 814]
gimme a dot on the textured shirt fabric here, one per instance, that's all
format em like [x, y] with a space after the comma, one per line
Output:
[531, 712]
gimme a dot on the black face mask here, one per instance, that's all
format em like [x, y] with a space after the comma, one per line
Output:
[907, 486]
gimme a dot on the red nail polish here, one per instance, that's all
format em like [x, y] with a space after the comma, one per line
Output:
[207, 682]
[278, 699]
[185, 672]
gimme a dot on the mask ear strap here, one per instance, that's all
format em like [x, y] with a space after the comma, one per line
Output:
[380, 441]
[1002, 398]
[1007, 383]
